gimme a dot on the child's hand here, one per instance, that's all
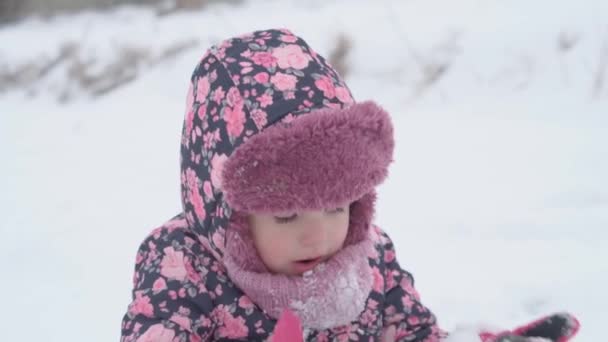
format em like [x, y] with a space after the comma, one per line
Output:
[559, 327]
[288, 328]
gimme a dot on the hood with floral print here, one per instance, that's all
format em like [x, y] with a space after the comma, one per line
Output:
[271, 126]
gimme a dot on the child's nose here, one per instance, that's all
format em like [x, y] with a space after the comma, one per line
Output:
[314, 234]
[311, 238]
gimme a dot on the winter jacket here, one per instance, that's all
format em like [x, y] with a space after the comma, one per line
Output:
[267, 101]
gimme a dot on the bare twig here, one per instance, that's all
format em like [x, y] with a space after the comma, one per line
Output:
[171, 7]
[338, 58]
[566, 41]
[600, 74]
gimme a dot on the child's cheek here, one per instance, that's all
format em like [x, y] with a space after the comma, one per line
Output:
[278, 247]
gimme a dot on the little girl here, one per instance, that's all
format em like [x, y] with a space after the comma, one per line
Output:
[278, 170]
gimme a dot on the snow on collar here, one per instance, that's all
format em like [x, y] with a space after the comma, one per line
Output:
[333, 294]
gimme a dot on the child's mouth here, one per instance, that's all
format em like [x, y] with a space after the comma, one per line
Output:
[304, 265]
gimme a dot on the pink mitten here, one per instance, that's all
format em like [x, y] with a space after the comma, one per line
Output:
[288, 328]
[559, 327]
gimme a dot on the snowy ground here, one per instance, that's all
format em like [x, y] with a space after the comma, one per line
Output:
[498, 199]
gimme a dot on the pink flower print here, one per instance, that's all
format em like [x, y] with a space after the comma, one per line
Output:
[265, 59]
[288, 118]
[235, 120]
[289, 95]
[291, 56]
[139, 258]
[196, 132]
[157, 333]
[197, 202]
[205, 321]
[389, 256]
[283, 82]
[216, 135]
[372, 304]
[172, 266]
[265, 100]
[135, 279]
[343, 95]
[368, 317]
[406, 284]
[218, 95]
[213, 76]
[218, 239]
[141, 306]
[322, 337]
[413, 320]
[208, 141]
[288, 38]
[189, 123]
[233, 327]
[378, 280]
[247, 53]
[202, 111]
[261, 77]
[245, 302]
[193, 275]
[217, 166]
[182, 177]
[189, 216]
[195, 338]
[326, 85]
[234, 98]
[259, 118]
[390, 311]
[191, 179]
[152, 255]
[202, 89]
[159, 285]
[151, 244]
[207, 190]
[260, 41]
[182, 321]
[407, 302]
[190, 98]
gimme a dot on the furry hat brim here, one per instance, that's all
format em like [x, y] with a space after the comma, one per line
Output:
[322, 159]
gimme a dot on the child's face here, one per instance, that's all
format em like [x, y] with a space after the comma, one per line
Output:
[293, 243]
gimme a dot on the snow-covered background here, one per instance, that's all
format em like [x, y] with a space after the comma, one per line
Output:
[497, 201]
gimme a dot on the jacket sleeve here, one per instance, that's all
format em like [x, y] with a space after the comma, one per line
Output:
[169, 301]
[405, 317]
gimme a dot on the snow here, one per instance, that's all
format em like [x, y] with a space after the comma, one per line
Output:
[336, 302]
[497, 200]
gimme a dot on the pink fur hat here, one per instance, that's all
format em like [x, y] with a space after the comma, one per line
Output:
[317, 161]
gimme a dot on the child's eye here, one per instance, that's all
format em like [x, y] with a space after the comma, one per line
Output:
[285, 219]
[336, 210]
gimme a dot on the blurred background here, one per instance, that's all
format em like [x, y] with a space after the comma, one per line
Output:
[497, 199]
